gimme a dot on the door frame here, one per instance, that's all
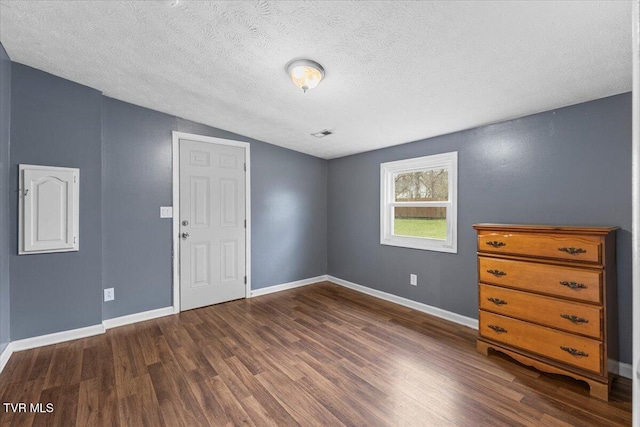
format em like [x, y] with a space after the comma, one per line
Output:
[635, 226]
[177, 136]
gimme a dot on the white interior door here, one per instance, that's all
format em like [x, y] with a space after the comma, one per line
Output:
[212, 223]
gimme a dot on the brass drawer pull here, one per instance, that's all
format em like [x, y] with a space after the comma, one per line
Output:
[497, 301]
[496, 244]
[574, 319]
[497, 273]
[574, 285]
[498, 329]
[574, 352]
[573, 251]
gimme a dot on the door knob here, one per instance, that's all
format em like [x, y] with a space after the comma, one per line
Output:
[185, 235]
[185, 222]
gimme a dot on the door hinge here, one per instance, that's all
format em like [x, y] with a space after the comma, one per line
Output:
[75, 178]
[245, 223]
[245, 167]
[245, 280]
[75, 240]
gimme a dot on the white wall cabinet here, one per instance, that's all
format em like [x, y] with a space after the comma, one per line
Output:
[48, 209]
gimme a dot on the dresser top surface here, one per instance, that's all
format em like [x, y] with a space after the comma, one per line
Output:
[547, 228]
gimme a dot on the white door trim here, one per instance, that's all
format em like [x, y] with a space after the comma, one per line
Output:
[635, 226]
[176, 206]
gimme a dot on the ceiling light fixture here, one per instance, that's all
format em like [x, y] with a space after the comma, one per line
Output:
[305, 74]
[322, 133]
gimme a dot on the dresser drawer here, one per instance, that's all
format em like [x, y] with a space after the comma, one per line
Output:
[559, 246]
[581, 352]
[568, 282]
[569, 316]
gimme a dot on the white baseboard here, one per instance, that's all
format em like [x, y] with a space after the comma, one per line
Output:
[625, 370]
[286, 286]
[429, 309]
[137, 317]
[57, 337]
[74, 334]
[5, 355]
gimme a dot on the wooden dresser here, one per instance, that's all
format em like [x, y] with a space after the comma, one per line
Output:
[547, 298]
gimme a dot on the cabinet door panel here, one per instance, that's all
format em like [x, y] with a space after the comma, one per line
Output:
[49, 209]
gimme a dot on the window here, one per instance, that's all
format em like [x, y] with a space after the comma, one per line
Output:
[418, 203]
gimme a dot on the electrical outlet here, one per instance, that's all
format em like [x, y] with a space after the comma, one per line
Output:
[413, 279]
[108, 295]
[166, 211]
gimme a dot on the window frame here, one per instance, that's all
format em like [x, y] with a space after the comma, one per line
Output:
[388, 172]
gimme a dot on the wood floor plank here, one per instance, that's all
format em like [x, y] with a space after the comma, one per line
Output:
[348, 409]
[231, 408]
[211, 406]
[257, 412]
[88, 402]
[315, 355]
[18, 366]
[67, 408]
[265, 399]
[41, 363]
[302, 406]
[52, 396]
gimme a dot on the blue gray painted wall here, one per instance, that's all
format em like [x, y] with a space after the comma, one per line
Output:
[288, 192]
[136, 182]
[56, 122]
[288, 210]
[5, 248]
[124, 153]
[568, 166]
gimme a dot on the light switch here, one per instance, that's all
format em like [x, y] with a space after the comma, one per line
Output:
[166, 211]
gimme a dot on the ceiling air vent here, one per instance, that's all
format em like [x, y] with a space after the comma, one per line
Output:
[322, 133]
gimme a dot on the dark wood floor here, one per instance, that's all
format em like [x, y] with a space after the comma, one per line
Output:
[317, 355]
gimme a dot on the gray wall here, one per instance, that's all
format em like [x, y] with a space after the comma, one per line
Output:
[56, 122]
[124, 153]
[568, 166]
[288, 192]
[288, 210]
[136, 182]
[5, 248]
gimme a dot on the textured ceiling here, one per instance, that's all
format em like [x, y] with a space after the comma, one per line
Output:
[395, 71]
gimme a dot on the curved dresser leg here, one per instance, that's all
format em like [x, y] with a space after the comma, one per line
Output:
[599, 390]
[482, 348]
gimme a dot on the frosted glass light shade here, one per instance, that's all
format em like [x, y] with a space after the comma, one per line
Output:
[305, 74]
